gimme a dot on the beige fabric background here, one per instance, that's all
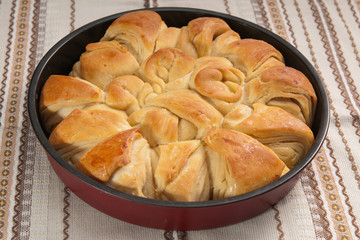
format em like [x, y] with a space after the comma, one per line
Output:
[325, 203]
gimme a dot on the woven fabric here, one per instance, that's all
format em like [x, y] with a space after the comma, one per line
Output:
[325, 202]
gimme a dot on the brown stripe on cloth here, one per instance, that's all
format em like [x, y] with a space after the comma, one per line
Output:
[357, 2]
[340, 55]
[339, 216]
[18, 48]
[325, 41]
[26, 160]
[323, 158]
[292, 34]
[72, 15]
[146, 3]
[226, 3]
[260, 14]
[276, 19]
[279, 222]
[353, 11]
[330, 187]
[4, 179]
[66, 212]
[7, 54]
[338, 79]
[353, 45]
[342, 228]
[316, 204]
[356, 119]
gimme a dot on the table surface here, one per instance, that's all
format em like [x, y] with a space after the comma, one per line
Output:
[325, 202]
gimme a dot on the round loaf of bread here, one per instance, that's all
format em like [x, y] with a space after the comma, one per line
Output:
[193, 113]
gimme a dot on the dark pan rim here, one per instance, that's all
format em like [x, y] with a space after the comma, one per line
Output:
[320, 137]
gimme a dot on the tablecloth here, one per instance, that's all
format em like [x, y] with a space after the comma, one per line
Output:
[325, 202]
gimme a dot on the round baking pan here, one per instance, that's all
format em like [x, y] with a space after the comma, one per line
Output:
[165, 214]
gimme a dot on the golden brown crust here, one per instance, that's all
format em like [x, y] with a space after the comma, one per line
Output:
[181, 173]
[137, 31]
[202, 32]
[112, 153]
[270, 118]
[158, 125]
[87, 125]
[223, 40]
[184, 43]
[217, 79]
[249, 163]
[167, 38]
[104, 61]
[209, 83]
[167, 68]
[251, 56]
[122, 93]
[61, 94]
[285, 87]
[136, 177]
[66, 90]
[83, 129]
[190, 106]
[288, 136]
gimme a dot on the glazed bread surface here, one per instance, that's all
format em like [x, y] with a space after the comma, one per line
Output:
[179, 113]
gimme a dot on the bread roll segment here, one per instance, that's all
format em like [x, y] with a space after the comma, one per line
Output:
[114, 152]
[122, 93]
[202, 32]
[167, 68]
[137, 32]
[185, 113]
[104, 61]
[137, 176]
[181, 173]
[251, 56]
[158, 125]
[218, 81]
[168, 38]
[123, 161]
[286, 88]
[83, 129]
[190, 106]
[288, 136]
[241, 163]
[62, 94]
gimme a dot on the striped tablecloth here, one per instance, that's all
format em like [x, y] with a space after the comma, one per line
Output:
[325, 203]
